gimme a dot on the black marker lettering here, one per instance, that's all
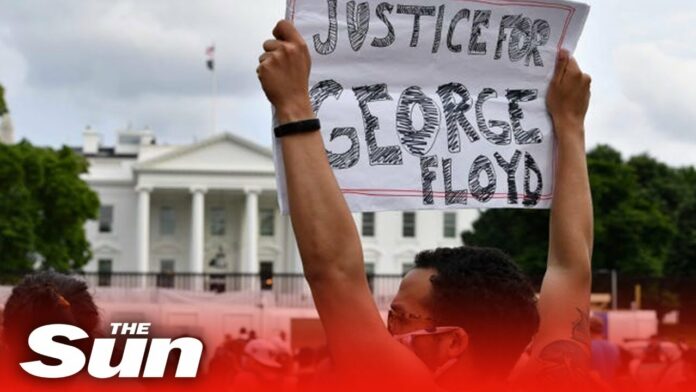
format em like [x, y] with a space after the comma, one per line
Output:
[510, 169]
[506, 23]
[318, 94]
[428, 176]
[541, 32]
[455, 114]
[462, 14]
[521, 35]
[389, 39]
[417, 11]
[481, 19]
[452, 196]
[417, 141]
[328, 46]
[358, 23]
[438, 28]
[500, 139]
[388, 155]
[531, 198]
[481, 193]
[532, 136]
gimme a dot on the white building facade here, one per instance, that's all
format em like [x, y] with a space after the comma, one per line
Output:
[211, 207]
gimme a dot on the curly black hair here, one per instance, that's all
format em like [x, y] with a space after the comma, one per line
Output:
[47, 298]
[483, 291]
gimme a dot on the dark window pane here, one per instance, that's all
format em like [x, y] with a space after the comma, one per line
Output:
[217, 221]
[409, 224]
[104, 269]
[267, 226]
[167, 221]
[368, 224]
[266, 274]
[106, 219]
[450, 225]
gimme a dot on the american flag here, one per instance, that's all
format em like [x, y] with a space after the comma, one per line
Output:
[210, 52]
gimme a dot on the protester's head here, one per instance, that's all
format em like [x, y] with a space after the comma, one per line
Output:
[596, 328]
[479, 290]
[46, 298]
[654, 340]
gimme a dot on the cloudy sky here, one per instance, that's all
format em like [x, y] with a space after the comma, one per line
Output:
[114, 63]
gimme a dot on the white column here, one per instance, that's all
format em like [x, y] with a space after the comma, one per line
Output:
[143, 232]
[251, 263]
[197, 233]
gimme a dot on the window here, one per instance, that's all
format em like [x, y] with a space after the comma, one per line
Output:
[217, 221]
[167, 221]
[267, 217]
[408, 228]
[266, 274]
[104, 272]
[106, 219]
[166, 275]
[450, 225]
[368, 224]
[129, 139]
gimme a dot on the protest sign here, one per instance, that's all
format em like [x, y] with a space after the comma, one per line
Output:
[436, 104]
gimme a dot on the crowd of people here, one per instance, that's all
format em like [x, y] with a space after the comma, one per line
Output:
[249, 363]
[658, 364]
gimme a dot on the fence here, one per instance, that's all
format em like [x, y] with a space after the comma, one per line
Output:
[291, 289]
[286, 289]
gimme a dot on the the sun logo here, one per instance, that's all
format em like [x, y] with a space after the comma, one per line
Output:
[72, 360]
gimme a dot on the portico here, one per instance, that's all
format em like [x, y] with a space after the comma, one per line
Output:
[204, 202]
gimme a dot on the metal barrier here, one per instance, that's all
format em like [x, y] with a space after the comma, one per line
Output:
[286, 289]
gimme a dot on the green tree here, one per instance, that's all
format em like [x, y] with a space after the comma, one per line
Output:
[681, 262]
[633, 220]
[43, 208]
[3, 106]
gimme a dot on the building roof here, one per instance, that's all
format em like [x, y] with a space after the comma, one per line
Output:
[104, 152]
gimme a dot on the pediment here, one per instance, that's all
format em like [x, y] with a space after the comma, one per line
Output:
[106, 249]
[223, 153]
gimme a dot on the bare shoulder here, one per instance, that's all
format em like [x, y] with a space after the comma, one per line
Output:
[561, 360]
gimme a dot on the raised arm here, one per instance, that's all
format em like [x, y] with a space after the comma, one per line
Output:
[562, 343]
[327, 238]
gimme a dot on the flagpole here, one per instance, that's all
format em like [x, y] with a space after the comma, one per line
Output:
[214, 91]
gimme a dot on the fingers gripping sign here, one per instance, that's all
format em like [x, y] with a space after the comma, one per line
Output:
[569, 93]
[284, 73]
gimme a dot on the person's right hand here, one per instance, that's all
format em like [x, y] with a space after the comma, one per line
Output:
[284, 73]
[569, 94]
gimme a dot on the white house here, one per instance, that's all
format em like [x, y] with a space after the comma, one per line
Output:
[210, 207]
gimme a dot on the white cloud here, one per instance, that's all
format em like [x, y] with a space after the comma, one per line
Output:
[663, 85]
[69, 63]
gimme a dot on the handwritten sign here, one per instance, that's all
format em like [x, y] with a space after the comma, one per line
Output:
[436, 104]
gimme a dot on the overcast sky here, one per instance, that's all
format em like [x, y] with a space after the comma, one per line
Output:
[114, 63]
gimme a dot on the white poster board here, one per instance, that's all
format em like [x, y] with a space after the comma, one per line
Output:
[436, 104]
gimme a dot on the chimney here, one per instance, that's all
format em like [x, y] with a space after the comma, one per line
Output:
[6, 129]
[91, 141]
[147, 137]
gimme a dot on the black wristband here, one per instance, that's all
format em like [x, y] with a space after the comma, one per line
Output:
[297, 127]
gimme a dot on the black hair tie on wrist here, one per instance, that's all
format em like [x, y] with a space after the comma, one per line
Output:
[296, 127]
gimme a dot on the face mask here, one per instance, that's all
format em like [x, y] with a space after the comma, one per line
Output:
[407, 340]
